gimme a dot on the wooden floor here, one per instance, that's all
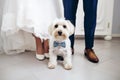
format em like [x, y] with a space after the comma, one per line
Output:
[25, 66]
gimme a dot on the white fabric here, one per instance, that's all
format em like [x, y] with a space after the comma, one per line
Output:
[21, 18]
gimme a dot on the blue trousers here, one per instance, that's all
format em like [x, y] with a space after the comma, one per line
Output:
[90, 11]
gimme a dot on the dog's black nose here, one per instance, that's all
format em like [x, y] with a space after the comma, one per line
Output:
[60, 33]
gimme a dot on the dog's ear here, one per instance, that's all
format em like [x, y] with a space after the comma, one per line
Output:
[72, 28]
[50, 28]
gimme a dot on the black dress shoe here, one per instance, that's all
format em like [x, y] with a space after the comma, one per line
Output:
[60, 58]
[90, 55]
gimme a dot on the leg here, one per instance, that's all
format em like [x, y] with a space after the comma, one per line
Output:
[46, 47]
[68, 61]
[90, 10]
[52, 60]
[70, 8]
[39, 48]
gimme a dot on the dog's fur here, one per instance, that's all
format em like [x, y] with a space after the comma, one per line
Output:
[60, 30]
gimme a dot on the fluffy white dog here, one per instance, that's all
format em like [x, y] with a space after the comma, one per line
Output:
[59, 44]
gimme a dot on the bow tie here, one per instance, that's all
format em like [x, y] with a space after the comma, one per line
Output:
[56, 44]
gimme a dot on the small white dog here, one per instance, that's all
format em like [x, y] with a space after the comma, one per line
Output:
[59, 44]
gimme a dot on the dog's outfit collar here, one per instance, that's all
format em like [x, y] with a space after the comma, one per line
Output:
[61, 44]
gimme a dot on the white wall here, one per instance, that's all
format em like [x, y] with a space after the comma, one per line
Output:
[1, 7]
[116, 18]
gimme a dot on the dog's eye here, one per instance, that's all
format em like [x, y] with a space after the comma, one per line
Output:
[64, 26]
[56, 26]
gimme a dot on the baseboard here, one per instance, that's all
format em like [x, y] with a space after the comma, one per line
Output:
[115, 35]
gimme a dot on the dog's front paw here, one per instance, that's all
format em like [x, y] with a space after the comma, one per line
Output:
[68, 66]
[51, 65]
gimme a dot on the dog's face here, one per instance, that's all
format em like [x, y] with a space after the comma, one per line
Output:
[61, 29]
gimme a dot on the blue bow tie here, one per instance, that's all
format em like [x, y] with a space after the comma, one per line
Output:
[56, 44]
